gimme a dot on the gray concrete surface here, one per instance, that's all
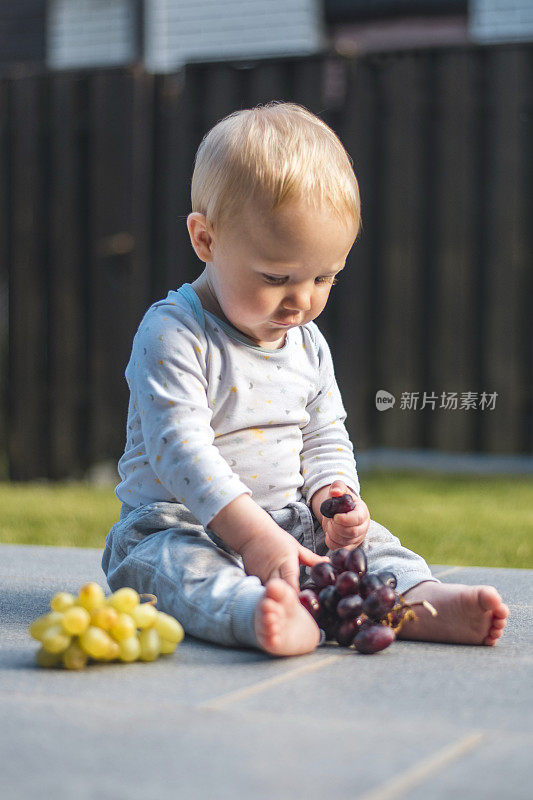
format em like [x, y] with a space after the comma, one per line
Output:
[418, 720]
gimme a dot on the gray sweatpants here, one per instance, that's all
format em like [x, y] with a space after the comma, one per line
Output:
[162, 549]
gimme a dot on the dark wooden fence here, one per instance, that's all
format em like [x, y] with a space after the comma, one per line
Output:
[94, 180]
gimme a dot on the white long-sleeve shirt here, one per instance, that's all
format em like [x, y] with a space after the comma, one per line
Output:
[212, 415]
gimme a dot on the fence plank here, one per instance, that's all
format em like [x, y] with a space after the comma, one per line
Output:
[67, 373]
[140, 263]
[28, 357]
[5, 227]
[454, 257]
[111, 246]
[353, 321]
[172, 256]
[403, 216]
[507, 260]
[524, 311]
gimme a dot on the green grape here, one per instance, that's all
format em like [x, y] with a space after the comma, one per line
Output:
[91, 595]
[167, 647]
[61, 601]
[168, 627]
[144, 615]
[95, 642]
[41, 624]
[124, 628]
[76, 620]
[74, 657]
[150, 644]
[104, 617]
[55, 640]
[113, 653]
[130, 649]
[124, 600]
[46, 659]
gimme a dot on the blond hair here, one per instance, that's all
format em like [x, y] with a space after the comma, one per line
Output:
[275, 152]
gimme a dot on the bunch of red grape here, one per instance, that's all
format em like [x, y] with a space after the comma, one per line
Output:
[351, 605]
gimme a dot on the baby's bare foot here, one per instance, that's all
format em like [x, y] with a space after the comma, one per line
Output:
[466, 614]
[282, 625]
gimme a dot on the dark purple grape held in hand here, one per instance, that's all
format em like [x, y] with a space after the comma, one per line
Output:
[337, 505]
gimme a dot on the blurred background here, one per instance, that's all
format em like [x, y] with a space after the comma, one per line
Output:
[102, 106]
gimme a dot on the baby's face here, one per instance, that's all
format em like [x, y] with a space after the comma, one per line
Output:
[272, 271]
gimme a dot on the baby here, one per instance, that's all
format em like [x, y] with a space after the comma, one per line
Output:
[235, 431]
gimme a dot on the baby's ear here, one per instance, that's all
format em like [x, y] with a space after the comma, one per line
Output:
[200, 235]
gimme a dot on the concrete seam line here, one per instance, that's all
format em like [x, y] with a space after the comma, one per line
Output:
[447, 571]
[410, 778]
[256, 688]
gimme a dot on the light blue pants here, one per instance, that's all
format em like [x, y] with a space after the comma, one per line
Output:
[162, 549]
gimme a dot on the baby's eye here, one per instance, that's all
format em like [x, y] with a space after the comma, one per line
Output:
[331, 279]
[276, 280]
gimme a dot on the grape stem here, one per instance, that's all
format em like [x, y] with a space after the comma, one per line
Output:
[407, 613]
[427, 605]
[148, 599]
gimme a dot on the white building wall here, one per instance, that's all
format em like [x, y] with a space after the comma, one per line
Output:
[183, 30]
[87, 33]
[501, 20]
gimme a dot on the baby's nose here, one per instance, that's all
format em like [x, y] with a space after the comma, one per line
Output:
[298, 300]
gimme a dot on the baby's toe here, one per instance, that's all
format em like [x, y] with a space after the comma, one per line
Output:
[501, 612]
[489, 599]
[269, 607]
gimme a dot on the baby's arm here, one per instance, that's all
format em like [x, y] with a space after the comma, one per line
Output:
[344, 530]
[266, 549]
[328, 465]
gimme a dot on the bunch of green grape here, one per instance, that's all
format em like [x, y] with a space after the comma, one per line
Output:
[94, 627]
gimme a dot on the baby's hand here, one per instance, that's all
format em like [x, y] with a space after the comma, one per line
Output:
[277, 554]
[348, 529]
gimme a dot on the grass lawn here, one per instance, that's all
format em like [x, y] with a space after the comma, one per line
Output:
[469, 521]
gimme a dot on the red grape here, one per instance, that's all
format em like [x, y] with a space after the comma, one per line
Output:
[350, 607]
[337, 505]
[322, 574]
[356, 561]
[368, 583]
[338, 559]
[388, 578]
[379, 602]
[374, 638]
[345, 633]
[329, 598]
[347, 583]
[309, 600]
[328, 623]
